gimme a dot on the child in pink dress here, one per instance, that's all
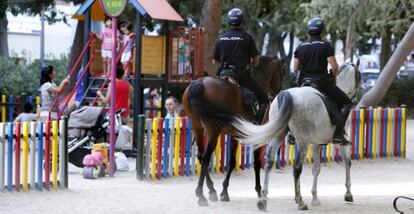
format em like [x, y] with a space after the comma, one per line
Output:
[106, 37]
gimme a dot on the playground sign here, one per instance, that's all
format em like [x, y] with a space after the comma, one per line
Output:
[113, 8]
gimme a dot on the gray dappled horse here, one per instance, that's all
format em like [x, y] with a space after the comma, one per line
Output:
[302, 111]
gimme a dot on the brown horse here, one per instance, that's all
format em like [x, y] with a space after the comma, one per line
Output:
[211, 104]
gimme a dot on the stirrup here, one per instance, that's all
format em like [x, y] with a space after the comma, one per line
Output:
[291, 139]
[341, 140]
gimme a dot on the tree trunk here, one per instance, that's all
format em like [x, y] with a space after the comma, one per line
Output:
[290, 54]
[281, 45]
[349, 36]
[273, 46]
[4, 47]
[385, 47]
[388, 74]
[77, 47]
[211, 22]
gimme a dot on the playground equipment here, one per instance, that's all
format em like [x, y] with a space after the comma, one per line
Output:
[24, 155]
[394, 203]
[186, 55]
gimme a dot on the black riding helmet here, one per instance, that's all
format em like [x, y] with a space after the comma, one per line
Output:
[315, 26]
[235, 17]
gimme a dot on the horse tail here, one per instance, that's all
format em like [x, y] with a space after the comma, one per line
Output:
[208, 112]
[276, 127]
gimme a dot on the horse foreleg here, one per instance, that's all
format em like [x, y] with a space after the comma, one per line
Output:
[297, 171]
[269, 160]
[224, 195]
[256, 166]
[347, 161]
[316, 168]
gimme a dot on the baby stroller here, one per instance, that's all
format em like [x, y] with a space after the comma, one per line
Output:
[89, 125]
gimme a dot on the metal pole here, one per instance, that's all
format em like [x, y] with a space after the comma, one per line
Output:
[86, 31]
[137, 138]
[165, 75]
[137, 82]
[86, 57]
[42, 36]
[113, 99]
[139, 133]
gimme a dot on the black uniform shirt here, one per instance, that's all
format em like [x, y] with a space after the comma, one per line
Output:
[227, 42]
[312, 55]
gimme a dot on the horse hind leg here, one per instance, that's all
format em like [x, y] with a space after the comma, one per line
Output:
[297, 171]
[198, 134]
[257, 166]
[212, 142]
[316, 168]
[271, 150]
[224, 195]
[347, 161]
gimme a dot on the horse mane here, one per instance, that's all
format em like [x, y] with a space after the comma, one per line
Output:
[263, 61]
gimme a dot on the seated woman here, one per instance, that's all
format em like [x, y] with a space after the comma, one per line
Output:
[122, 91]
[49, 90]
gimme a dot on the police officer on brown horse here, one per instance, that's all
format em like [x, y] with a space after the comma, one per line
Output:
[236, 52]
[311, 59]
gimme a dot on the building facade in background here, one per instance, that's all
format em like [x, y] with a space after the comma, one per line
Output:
[24, 34]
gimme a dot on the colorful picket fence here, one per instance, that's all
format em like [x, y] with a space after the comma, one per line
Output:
[13, 105]
[169, 150]
[378, 132]
[33, 155]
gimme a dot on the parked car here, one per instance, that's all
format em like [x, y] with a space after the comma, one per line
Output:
[368, 62]
[369, 77]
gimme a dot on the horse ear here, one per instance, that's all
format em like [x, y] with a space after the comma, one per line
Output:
[357, 63]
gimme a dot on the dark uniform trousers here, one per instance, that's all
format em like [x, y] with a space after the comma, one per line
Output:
[245, 79]
[327, 86]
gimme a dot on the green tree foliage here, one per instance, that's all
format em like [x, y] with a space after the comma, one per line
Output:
[19, 77]
[400, 93]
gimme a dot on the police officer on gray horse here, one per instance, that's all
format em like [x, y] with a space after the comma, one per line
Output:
[236, 52]
[311, 60]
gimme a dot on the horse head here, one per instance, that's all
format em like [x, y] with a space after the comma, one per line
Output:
[349, 80]
[269, 74]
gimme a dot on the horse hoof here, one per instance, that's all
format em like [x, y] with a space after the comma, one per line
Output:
[261, 205]
[316, 203]
[213, 196]
[202, 202]
[303, 207]
[224, 197]
[349, 198]
[199, 192]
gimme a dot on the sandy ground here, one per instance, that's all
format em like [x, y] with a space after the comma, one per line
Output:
[374, 185]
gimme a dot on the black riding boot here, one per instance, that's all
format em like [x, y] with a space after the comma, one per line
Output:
[339, 134]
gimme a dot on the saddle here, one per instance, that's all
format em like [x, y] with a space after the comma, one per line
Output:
[333, 111]
[249, 98]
